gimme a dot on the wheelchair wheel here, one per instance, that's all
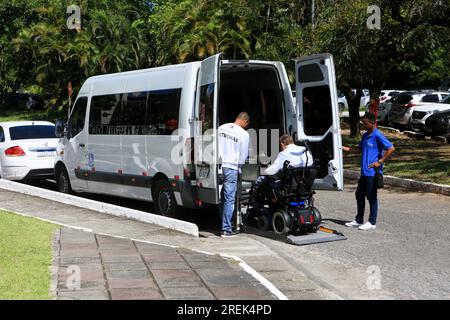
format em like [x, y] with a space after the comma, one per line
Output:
[281, 223]
[263, 223]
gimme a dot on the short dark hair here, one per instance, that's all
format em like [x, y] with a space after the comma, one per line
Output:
[369, 116]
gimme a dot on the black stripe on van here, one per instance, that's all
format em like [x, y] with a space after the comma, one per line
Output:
[123, 179]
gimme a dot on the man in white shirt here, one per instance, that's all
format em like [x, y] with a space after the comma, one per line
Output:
[233, 151]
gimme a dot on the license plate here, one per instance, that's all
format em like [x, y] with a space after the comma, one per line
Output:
[203, 173]
[46, 154]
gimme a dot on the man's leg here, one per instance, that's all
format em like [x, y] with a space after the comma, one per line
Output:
[230, 177]
[360, 195]
[371, 191]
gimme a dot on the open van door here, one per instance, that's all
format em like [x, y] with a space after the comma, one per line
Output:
[205, 136]
[318, 118]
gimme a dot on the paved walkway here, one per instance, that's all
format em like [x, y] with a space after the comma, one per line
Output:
[91, 266]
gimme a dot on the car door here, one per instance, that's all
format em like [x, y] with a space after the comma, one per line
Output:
[75, 152]
[318, 118]
[205, 135]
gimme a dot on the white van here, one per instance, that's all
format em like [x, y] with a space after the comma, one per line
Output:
[130, 134]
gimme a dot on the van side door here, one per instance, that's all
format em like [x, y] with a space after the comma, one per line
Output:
[205, 136]
[318, 118]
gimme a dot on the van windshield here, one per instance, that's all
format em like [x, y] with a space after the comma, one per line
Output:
[32, 132]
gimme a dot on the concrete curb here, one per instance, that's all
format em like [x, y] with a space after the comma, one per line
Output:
[405, 183]
[169, 223]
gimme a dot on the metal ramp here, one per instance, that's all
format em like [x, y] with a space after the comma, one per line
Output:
[323, 235]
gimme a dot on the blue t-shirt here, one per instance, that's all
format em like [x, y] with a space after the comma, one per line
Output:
[372, 147]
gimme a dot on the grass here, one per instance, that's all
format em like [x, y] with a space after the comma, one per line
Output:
[24, 115]
[421, 160]
[25, 257]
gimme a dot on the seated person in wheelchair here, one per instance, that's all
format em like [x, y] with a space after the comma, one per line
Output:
[296, 155]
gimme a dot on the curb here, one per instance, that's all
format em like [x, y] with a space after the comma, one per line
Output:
[169, 223]
[406, 183]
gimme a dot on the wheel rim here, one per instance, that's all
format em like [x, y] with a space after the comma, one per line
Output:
[164, 202]
[279, 223]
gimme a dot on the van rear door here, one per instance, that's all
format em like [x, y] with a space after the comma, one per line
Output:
[205, 143]
[318, 118]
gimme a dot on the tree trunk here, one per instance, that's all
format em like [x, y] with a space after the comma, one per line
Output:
[353, 107]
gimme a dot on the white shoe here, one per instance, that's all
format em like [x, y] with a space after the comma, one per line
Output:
[353, 224]
[367, 226]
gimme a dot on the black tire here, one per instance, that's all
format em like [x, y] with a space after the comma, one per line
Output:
[164, 198]
[263, 223]
[62, 181]
[281, 223]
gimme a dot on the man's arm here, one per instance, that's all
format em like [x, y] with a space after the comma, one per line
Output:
[383, 159]
[351, 150]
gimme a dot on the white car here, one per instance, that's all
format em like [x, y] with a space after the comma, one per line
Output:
[27, 150]
[402, 108]
[421, 113]
[386, 95]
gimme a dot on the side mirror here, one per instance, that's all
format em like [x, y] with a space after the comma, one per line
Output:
[59, 128]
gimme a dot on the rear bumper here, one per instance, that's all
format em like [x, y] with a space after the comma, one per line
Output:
[18, 173]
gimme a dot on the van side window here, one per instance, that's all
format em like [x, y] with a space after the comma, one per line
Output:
[134, 112]
[106, 114]
[78, 116]
[2, 135]
[206, 109]
[317, 111]
[163, 110]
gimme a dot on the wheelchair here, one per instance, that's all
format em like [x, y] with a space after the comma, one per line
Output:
[286, 203]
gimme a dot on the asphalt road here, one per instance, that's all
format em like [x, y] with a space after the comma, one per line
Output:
[406, 257]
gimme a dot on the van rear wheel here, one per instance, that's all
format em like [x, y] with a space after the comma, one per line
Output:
[164, 198]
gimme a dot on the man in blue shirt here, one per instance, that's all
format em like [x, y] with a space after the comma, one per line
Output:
[372, 145]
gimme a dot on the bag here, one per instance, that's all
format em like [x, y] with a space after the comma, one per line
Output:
[379, 179]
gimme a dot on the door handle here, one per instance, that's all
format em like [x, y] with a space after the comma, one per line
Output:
[82, 145]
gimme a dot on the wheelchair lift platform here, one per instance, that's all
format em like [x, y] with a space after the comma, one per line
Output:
[322, 235]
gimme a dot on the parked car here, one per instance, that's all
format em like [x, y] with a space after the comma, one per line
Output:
[383, 112]
[438, 123]
[435, 97]
[387, 95]
[402, 108]
[365, 98]
[424, 110]
[342, 102]
[27, 150]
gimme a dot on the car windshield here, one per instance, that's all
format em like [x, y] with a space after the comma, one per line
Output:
[32, 132]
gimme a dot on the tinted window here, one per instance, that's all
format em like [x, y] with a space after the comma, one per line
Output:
[2, 135]
[430, 98]
[206, 109]
[78, 116]
[32, 132]
[317, 110]
[446, 100]
[106, 113]
[134, 109]
[310, 73]
[163, 110]
[402, 99]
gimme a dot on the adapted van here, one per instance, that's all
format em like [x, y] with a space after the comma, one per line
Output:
[150, 134]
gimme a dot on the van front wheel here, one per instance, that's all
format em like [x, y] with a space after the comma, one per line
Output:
[62, 181]
[164, 198]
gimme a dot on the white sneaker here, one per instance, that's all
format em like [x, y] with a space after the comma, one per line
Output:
[353, 224]
[367, 226]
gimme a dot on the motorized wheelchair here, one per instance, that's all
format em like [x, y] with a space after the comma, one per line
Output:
[286, 204]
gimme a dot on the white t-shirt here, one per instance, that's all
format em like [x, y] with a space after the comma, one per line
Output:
[233, 145]
[296, 156]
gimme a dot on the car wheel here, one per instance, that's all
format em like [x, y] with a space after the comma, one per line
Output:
[164, 198]
[62, 181]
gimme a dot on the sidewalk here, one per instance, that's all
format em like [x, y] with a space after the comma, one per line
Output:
[98, 267]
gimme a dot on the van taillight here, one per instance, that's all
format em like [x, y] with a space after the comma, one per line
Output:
[15, 151]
